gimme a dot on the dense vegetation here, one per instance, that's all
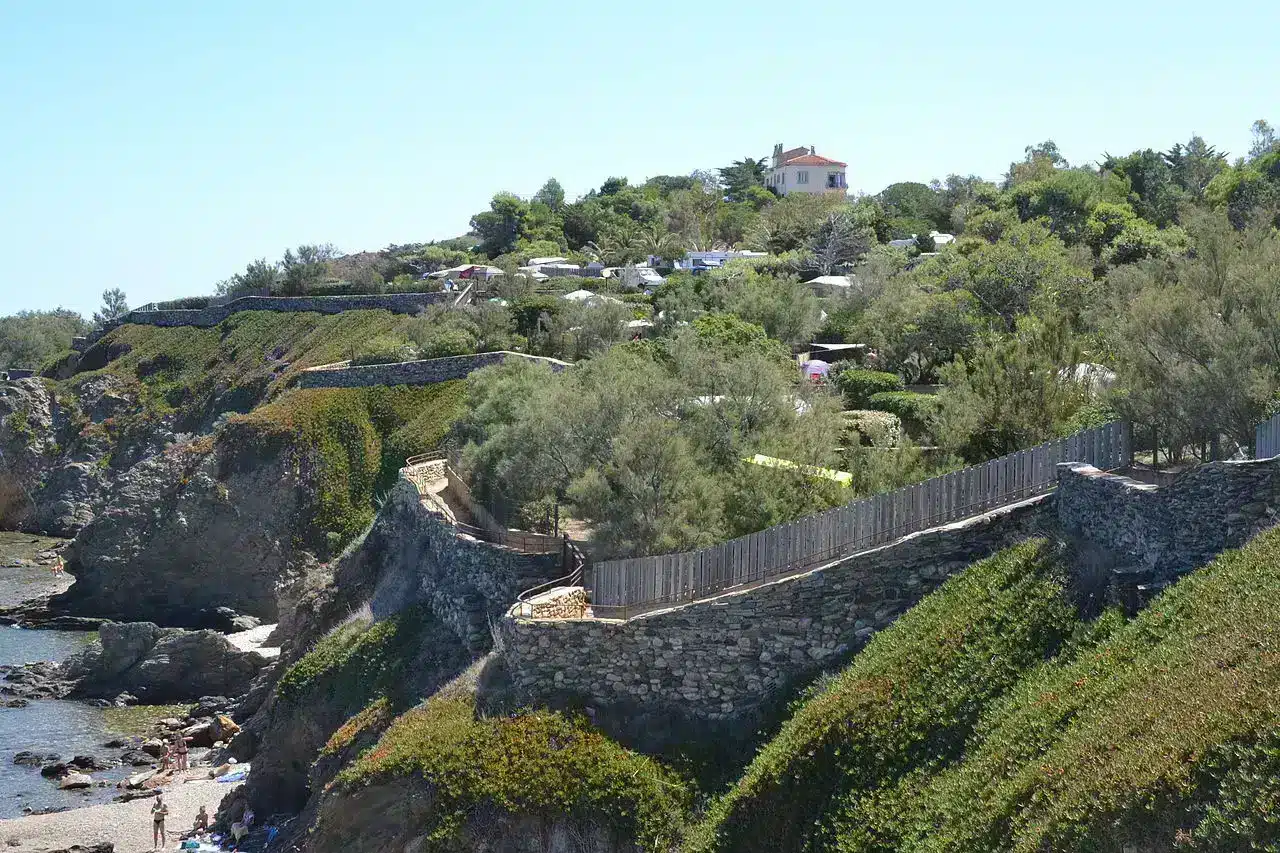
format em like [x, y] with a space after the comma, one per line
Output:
[350, 442]
[536, 763]
[986, 719]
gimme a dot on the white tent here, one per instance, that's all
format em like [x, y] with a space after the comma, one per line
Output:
[537, 262]
[831, 281]
[579, 296]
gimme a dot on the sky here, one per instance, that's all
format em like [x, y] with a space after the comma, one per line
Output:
[159, 147]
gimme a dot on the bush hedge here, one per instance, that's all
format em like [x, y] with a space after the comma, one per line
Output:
[858, 385]
[916, 411]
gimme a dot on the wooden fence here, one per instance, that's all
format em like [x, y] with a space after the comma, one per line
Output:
[1267, 439]
[624, 587]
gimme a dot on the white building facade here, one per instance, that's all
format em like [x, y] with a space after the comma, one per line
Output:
[804, 170]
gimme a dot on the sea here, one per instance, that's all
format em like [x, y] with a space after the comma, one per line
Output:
[44, 726]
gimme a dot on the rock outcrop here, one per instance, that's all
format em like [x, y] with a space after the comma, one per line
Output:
[176, 540]
[160, 665]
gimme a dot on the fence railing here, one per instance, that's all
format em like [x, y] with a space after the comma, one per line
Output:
[621, 588]
[1267, 439]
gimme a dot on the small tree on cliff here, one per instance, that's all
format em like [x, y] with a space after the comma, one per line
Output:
[114, 306]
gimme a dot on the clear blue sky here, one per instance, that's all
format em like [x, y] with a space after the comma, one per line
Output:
[152, 147]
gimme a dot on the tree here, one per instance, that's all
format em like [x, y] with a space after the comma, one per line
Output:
[1154, 194]
[1039, 163]
[1197, 338]
[499, 227]
[915, 331]
[1264, 140]
[32, 338]
[915, 203]
[1194, 165]
[551, 194]
[258, 276]
[838, 243]
[692, 215]
[655, 241]
[740, 176]
[306, 268]
[1014, 391]
[114, 306]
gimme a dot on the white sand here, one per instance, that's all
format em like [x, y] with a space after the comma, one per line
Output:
[126, 825]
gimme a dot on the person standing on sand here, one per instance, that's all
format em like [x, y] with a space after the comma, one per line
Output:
[158, 813]
[181, 748]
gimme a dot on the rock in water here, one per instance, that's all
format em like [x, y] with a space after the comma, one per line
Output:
[75, 781]
[160, 665]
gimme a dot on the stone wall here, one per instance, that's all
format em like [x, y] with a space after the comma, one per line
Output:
[468, 584]
[1163, 532]
[424, 372]
[565, 602]
[396, 303]
[717, 659]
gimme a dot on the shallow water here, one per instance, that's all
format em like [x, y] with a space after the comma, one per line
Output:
[67, 728]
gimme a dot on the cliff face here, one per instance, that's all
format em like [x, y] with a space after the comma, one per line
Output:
[175, 540]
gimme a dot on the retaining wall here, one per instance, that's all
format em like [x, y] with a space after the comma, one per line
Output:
[424, 372]
[719, 658]
[1169, 530]
[466, 583]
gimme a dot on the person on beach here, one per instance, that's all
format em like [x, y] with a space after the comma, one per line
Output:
[158, 813]
[180, 745]
[58, 567]
[202, 821]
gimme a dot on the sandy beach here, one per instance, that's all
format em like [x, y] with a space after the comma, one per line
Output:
[126, 825]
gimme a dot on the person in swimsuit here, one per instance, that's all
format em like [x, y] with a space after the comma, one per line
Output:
[181, 747]
[202, 821]
[158, 812]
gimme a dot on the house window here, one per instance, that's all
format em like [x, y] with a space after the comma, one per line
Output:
[835, 181]
[802, 177]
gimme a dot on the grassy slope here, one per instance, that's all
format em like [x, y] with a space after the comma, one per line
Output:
[238, 361]
[951, 733]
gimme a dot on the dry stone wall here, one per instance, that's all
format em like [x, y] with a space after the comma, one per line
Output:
[424, 372]
[717, 659]
[1166, 531]
[468, 584]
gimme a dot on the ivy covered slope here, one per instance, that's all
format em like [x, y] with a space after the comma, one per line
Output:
[956, 732]
[347, 444]
[444, 778]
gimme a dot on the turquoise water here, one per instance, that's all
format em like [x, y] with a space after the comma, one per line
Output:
[67, 728]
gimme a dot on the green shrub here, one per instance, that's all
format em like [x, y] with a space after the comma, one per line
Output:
[874, 429]
[908, 702]
[385, 349]
[916, 411]
[538, 763]
[858, 385]
[186, 303]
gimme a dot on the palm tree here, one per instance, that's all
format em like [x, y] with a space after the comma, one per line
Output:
[656, 241]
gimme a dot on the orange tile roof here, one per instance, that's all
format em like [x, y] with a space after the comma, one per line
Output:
[813, 160]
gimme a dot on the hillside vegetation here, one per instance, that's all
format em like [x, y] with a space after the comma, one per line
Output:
[960, 729]
[350, 441]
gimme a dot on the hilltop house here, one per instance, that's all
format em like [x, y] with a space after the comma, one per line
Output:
[804, 170]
